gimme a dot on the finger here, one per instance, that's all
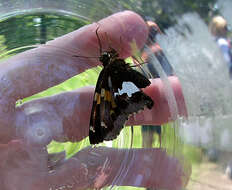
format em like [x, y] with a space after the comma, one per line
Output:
[62, 117]
[38, 69]
[66, 115]
[108, 166]
[90, 168]
[160, 113]
[118, 31]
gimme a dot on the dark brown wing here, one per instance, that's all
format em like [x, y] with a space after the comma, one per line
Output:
[94, 126]
[103, 109]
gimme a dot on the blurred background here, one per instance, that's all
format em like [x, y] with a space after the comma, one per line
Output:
[189, 46]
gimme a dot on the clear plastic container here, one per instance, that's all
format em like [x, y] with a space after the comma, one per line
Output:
[44, 140]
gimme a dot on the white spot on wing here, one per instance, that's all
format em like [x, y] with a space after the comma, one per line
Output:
[129, 88]
[92, 129]
[103, 124]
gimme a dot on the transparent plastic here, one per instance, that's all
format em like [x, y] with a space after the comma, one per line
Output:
[43, 144]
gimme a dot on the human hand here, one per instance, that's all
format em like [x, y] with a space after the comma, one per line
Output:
[27, 129]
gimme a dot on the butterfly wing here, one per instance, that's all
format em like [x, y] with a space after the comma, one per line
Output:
[94, 126]
[103, 109]
[110, 109]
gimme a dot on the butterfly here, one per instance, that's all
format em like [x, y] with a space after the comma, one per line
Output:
[111, 107]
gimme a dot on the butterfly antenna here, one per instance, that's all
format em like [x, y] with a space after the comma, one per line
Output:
[99, 41]
[136, 61]
[139, 65]
[84, 56]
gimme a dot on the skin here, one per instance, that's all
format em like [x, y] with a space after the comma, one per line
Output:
[27, 129]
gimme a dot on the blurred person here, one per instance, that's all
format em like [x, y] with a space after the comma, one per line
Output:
[218, 28]
[148, 131]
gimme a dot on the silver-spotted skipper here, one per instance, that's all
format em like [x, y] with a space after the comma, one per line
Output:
[111, 107]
